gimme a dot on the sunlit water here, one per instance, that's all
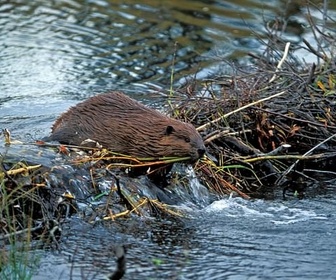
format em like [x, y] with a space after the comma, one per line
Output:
[55, 53]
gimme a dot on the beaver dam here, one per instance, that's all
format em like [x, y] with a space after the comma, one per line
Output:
[269, 131]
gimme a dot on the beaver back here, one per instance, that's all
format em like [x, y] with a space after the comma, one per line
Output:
[126, 126]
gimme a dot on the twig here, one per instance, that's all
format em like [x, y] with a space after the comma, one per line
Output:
[226, 133]
[23, 169]
[204, 126]
[298, 157]
[18, 232]
[310, 77]
[303, 157]
[281, 62]
[310, 47]
[297, 119]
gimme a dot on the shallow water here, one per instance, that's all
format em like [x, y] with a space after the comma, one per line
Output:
[55, 53]
[229, 239]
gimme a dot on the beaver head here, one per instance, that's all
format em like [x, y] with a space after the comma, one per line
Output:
[169, 138]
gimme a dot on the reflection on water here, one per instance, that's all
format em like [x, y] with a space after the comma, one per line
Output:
[73, 49]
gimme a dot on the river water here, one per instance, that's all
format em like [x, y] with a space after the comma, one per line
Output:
[55, 53]
[229, 239]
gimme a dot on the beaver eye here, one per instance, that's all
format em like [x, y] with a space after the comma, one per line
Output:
[169, 130]
[187, 139]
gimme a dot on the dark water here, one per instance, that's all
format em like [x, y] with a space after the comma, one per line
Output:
[55, 53]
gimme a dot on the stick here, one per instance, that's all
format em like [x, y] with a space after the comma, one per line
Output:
[281, 62]
[204, 126]
[303, 157]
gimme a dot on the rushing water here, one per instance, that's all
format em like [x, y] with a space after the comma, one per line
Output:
[54, 53]
[229, 239]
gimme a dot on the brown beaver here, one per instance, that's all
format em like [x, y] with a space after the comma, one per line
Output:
[126, 126]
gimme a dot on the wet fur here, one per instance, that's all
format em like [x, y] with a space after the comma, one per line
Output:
[126, 126]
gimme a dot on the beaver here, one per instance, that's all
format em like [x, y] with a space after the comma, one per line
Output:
[126, 126]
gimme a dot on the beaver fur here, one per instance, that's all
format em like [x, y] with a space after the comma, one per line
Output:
[126, 126]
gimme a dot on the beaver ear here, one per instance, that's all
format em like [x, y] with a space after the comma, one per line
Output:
[169, 130]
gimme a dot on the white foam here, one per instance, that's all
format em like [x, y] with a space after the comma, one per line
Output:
[271, 211]
[294, 215]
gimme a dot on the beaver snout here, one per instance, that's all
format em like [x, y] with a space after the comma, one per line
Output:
[201, 152]
[197, 154]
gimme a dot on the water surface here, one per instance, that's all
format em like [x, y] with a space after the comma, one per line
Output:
[229, 239]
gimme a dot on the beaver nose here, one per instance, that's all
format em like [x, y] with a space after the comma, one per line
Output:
[201, 152]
